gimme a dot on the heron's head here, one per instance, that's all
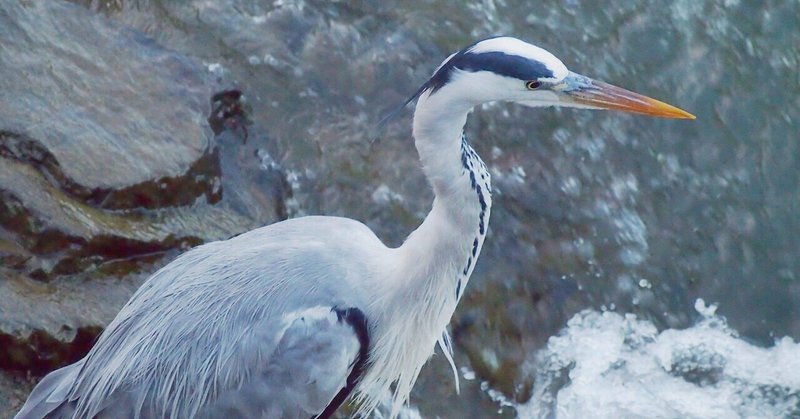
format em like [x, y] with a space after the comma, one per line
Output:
[508, 69]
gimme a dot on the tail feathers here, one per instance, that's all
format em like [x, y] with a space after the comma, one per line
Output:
[49, 398]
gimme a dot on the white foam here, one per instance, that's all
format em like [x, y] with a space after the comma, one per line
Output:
[607, 365]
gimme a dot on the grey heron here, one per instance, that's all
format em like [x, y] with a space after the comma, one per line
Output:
[292, 319]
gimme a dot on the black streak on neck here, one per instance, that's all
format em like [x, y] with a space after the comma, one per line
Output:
[468, 156]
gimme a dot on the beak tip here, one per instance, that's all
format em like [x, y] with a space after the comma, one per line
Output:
[659, 108]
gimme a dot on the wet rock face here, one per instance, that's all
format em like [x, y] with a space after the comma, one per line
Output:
[108, 169]
[79, 94]
[95, 116]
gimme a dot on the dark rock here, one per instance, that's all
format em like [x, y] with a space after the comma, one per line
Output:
[699, 365]
[229, 113]
[108, 169]
[80, 93]
[68, 236]
[46, 325]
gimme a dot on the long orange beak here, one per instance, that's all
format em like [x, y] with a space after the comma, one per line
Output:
[585, 92]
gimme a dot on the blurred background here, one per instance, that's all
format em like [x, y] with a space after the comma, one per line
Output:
[634, 266]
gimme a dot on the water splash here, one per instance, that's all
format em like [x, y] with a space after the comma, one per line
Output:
[607, 365]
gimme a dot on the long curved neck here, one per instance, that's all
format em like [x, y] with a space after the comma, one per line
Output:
[446, 245]
[437, 259]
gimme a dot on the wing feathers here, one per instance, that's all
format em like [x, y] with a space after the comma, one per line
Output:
[315, 366]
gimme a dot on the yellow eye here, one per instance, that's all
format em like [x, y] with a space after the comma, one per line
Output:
[533, 84]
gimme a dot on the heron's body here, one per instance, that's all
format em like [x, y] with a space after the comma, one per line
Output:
[290, 319]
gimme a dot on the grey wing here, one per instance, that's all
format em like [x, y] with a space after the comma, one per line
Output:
[49, 396]
[313, 369]
[315, 366]
[259, 325]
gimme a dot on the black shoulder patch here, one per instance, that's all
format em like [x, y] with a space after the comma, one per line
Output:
[358, 321]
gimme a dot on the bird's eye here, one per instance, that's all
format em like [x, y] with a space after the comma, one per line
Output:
[533, 84]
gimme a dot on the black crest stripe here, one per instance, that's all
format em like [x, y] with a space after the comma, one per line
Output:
[498, 62]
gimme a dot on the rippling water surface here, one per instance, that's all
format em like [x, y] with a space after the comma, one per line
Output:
[619, 215]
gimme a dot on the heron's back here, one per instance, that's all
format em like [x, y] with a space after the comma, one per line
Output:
[211, 319]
